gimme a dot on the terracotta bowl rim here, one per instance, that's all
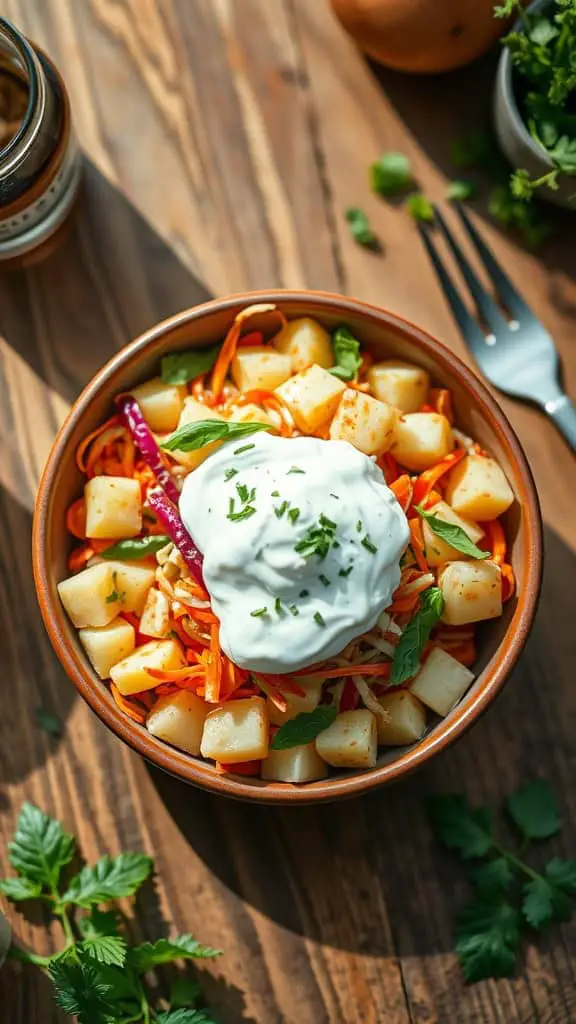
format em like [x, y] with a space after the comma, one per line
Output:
[193, 770]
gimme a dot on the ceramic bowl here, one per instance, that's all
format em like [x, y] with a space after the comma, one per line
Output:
[476, 412]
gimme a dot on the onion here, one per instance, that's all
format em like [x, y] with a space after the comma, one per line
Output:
[144, 441]
[169, 517]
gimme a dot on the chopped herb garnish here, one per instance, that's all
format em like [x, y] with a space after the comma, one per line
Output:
[295, 469]
[336, 544]
[367, 543]
[318, 618]
[318, 539]
[275, 494]
[242, 492]
[327, 523]
[294, 515]
[278, 606]
[304, 593]
[280, 510]
[324, 580]
[293, 609]
[115, 594]
[245, 513]
[258, 612]
[246, 448]
[337, 496]
[230, 473]
[346, 572]
[359, 526]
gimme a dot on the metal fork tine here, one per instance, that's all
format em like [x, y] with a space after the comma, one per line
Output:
[505, 290]
[487, 308]
[471, 331]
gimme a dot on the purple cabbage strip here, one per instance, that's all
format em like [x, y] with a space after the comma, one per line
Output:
[144, 441]
[169, 516]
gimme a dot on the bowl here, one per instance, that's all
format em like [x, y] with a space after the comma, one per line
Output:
[476, 412]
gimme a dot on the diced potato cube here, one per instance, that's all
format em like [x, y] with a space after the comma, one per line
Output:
[438, 551]
[472, 591]
[155, 619]
[403, 385]
[298, 764]
[364, 422]
[250, 413]
[113, 507]
[306, 342]
[260, 366]
[179, 719]
[422, 439]
[132, 581]
[407, 719]
[236, 731]
[296, 704]
[91, 597]
[478, 489]
[351, 741]
[130, 675]
[107, 645]
[194, 412]
[161, 403]
[312, 397]
[441, 681]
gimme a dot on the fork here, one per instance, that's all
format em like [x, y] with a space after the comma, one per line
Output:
[512, 348]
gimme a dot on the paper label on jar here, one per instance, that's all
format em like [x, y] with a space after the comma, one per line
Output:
[42, 208]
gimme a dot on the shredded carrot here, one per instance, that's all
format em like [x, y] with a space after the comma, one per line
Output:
[427, 480]
[405, 604]
[381, 668]
[403, 489]
[76, 519]
[464, 653]
[201, 615]
[389, 467]
[508, 581]
[99, 457]
[174, 675]
[81, 450]
[271, 691]
[240, 768]
[230, 343]
[214, 665]
[417, 543]
[441, 400]
[78, 558]
[496, 540]
[282, 683]
[127, 706]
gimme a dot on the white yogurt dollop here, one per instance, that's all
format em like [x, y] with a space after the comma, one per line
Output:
[251, 505]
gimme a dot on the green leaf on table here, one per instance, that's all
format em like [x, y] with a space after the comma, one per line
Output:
[197, 435]
[165, 951]
[409, 648]
[111, 878]
[80, 989]
[106, 949]
[452, 534]
[137, 547]
[98, 923]
[459, 826]
[346, 353]
[391, 174]
[49, 722]
[183, 1016]
[487, 939]
[562, 874]
[182, 367]
[543, 903]
[304, 728]
[460, 190]
[493, 878]
[19, 889]
[360, 227]
[420, 208]
[534, 810]
[40, 848]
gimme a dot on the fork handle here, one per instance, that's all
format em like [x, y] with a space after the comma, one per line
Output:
[563, 413]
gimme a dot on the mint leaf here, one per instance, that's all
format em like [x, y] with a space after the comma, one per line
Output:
[111, 878]
[98, 923]
[534, 810]
[543, 903]
[487, 939]
[391, 174]
[182, 367]
[452, 534]
[138, 547]
[184, 947]
[192, 436]
[460, 190]
[360, 227]
[346, 353]
[493, 878]
[304, 728]
[80, 990]
[40, 847]
[420, 208]
[185, 1017]
[106, 949]
[18, 889]
[415, 636]
[459, 826]
[562, 874]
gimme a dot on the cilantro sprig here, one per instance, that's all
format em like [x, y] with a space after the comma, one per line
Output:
[510, 897]
[97, 976]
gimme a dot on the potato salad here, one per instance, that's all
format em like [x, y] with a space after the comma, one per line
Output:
[282, 549]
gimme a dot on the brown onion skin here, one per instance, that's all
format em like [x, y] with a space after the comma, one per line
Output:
[421, 36]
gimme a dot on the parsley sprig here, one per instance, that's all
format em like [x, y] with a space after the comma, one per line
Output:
[510, 897]
[97, 976]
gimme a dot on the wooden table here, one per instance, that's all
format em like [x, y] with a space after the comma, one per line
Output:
[223, 139]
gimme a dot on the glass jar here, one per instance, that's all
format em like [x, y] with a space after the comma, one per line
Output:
[39, 159]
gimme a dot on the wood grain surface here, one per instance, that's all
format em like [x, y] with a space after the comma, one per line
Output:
[222, 140]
